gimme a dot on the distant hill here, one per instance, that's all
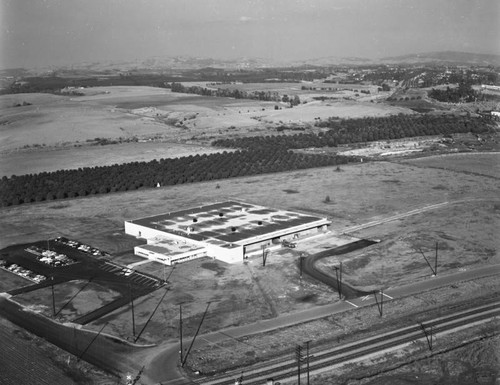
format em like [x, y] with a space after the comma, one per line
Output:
[178, 63]
[446, 57]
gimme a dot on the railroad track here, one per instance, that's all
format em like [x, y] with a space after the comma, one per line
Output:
[323, 359]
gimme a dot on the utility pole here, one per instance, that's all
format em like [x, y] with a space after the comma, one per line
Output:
[265, 252]
[301, 265]
[73, 297]
[152, 314]
[164, 274]
[299, 358]
[133, 316]
[428, 336]
[436, 261]
[380, 305]
[338, 274]
[307, 357]
[195, 335]
[91, 342]
[180, 328]
[433, 269]
[53, 298]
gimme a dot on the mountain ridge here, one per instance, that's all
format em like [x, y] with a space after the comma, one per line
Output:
[193, 63]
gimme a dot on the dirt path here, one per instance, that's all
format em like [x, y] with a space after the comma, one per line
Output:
[407, 214]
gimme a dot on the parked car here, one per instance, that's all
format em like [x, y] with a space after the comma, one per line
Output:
[286, 243]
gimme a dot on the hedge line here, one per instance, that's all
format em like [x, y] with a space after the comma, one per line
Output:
[132, 176]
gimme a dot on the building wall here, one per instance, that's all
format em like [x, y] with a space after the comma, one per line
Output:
[141, 231]
[166, 259]
[139, 251]
[229, 255]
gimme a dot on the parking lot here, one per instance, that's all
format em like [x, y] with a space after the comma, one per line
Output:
[60, 260]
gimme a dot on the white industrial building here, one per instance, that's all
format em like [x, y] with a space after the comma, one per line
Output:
[227, 231]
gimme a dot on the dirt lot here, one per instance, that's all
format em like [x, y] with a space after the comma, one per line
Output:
[72, 299]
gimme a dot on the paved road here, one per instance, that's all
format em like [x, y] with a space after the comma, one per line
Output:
[174, 376]
[310, 267]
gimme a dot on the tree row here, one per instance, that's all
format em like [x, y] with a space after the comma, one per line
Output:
[269, 96]
[363, 130]
[132, 176]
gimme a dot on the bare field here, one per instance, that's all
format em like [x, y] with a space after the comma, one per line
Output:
[339, 328]
[239, 294]
[51, 159]
[465, 232]
[81, 296]
[361, 193]
[306, 113]
[146, 112]
[483, 164]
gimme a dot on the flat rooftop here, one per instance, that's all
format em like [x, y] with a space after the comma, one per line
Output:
[228, 222]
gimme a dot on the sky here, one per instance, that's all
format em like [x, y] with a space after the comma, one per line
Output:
[41, 33]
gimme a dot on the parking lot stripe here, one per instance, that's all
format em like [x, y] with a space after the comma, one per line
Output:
[353, 304]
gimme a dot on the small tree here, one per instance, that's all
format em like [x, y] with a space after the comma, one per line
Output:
[295, 101]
